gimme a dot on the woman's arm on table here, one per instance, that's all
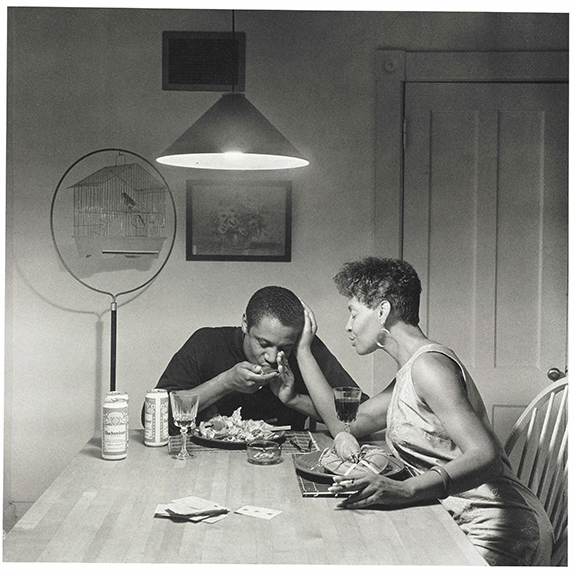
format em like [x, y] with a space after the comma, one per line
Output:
[438, 382]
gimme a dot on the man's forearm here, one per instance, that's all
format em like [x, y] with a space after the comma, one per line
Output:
[213, 390]
[210, 391]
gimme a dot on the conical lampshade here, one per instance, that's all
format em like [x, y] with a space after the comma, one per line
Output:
[233, 135]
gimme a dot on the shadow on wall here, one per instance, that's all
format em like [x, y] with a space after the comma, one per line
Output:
[98, 330]
[14, 510]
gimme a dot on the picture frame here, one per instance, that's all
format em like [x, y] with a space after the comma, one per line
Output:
[238, 220]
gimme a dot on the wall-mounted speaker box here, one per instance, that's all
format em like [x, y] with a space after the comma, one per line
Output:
[204, 61]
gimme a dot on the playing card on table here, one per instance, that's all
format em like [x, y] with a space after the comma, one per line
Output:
[193, 509]
[161, 510]
[212, 519]
[196, 503]
[258, 512]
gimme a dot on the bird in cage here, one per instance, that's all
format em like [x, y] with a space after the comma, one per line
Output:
[119, 210]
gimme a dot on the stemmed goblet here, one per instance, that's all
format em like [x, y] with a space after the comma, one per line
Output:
[184, 411]
[347, 401]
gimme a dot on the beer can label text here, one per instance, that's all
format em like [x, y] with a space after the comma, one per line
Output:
[114, 430]
[118, 396]
[156, 418]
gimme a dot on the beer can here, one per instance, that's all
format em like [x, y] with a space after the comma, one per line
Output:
[114, 429]
[156, 418]
[117, 395]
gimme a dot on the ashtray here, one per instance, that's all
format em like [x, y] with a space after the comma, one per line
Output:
[264, 452]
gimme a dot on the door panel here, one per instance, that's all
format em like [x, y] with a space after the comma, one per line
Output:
[520, 204]
[485, 225]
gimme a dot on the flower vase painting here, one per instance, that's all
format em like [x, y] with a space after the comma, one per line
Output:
[238, 220]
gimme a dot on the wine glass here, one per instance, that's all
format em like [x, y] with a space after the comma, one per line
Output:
[347, 401]
[184, 410]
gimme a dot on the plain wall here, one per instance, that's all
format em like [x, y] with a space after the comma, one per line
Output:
[84, 79]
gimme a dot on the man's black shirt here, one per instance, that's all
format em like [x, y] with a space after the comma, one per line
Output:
[211, 351]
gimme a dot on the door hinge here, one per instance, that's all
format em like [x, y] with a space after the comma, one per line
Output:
[404, 133]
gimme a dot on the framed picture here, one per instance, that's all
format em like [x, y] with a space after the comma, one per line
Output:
[238, 220]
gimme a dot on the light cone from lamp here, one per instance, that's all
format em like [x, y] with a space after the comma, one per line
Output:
[233, 135]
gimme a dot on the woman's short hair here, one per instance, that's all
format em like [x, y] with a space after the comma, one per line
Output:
[373, 280]
[276, 302]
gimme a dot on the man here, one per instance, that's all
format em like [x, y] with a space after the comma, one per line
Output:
[253, 366]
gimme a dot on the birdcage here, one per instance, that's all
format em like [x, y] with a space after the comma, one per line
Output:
[120, 210]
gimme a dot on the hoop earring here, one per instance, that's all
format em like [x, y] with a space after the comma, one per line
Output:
[385, 332]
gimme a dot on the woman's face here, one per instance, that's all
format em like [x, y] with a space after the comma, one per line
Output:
[362, 327]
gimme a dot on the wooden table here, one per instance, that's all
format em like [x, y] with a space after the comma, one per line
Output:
[103, 511]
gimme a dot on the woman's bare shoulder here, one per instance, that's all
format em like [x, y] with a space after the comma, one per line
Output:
[434, 370]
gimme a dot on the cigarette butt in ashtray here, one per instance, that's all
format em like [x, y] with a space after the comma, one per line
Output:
[279, 428]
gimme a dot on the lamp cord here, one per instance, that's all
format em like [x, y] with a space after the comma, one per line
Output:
[234, 53]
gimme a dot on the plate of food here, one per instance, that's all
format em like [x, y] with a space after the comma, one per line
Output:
[233, 432]
[323, 466]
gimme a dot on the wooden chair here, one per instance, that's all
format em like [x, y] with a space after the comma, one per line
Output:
[537, 448]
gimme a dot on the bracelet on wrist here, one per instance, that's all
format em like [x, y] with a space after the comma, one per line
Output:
[445, 480]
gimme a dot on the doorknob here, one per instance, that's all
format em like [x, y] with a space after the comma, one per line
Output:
[554, 374]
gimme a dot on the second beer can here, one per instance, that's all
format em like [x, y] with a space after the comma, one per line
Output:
[156, 418]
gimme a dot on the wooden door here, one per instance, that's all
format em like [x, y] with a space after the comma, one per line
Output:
[485, 225]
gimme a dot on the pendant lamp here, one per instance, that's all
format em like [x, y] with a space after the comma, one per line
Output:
[233, 135]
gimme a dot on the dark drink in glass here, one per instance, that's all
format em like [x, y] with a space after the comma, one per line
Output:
[346, 409]
[346, 404]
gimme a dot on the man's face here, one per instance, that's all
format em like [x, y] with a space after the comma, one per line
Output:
[264, 340]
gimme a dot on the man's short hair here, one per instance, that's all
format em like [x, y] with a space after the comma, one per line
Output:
[373, 280]
[276, 302]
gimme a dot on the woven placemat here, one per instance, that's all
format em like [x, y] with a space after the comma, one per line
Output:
[311, 488]
[296, 442]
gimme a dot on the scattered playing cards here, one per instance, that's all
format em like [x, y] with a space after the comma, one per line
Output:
[191, 509]
[258, 512]
[194, 509]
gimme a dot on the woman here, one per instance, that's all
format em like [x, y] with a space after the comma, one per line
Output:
[435, 421]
